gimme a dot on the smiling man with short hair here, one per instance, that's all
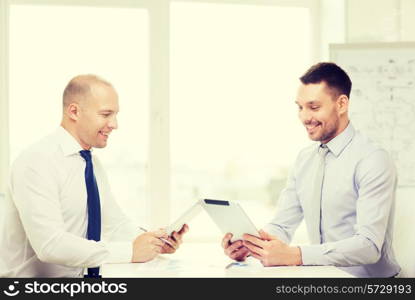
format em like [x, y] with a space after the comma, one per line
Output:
[61, 202]
[343, 187]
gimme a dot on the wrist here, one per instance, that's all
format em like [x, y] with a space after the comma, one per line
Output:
[296, 256]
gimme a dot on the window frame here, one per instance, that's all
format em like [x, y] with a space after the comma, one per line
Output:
[159, 169]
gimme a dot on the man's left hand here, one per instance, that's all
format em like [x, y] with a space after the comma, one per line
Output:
[271, 251]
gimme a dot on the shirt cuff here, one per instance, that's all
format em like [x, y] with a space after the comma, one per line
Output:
[119, 252]
[313, 255]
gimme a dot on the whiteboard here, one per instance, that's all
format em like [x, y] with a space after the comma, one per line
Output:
[382, 101]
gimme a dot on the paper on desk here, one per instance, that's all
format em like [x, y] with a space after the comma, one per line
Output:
[168, 266]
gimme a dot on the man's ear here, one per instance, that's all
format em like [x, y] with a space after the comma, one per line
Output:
[343, 104]
[73, 110]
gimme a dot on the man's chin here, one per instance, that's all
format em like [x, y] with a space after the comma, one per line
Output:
[101, 145]
[314, 138]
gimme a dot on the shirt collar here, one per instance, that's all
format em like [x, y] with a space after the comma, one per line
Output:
[337, 144]
[68, 143]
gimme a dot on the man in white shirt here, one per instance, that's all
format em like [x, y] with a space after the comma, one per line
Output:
[46, 214]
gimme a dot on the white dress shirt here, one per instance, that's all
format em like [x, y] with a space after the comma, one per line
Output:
[357, 206]
[46, 214]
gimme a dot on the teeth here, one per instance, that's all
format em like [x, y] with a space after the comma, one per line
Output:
[311, 127]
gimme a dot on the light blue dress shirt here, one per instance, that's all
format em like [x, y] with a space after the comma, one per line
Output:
[357, 206]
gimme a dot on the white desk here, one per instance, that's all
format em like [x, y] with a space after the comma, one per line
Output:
[208, 260]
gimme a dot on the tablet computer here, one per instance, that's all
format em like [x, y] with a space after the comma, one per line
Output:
[189, 214]
[230, 217]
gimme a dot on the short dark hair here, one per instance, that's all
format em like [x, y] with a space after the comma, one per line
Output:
[335, 77]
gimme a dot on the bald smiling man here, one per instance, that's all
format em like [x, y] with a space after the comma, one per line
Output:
[61, 217]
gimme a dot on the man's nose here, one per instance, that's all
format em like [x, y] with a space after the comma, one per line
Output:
[113, 123]
[305, 116]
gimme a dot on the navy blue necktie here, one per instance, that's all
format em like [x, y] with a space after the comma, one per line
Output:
[94, 208]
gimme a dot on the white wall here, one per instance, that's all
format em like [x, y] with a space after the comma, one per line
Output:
[333, 24]
[365, 21]
[407, 11]
[380, 20]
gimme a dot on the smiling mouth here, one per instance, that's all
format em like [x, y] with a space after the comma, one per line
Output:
[106, 134]
[313, 127]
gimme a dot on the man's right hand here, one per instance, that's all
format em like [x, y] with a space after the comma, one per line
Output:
[148, 245]
[235, 250]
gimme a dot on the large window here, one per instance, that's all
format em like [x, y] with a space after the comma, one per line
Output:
[51, 44]
[234, 130]
[206, 95]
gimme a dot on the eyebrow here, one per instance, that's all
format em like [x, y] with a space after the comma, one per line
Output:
[309, 102]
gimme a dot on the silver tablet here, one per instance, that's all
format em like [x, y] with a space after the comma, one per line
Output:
[189, 214]
[230, 217]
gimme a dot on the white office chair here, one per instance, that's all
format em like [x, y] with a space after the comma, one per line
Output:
[404, 235]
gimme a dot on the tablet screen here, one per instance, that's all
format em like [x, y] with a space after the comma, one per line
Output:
[230, 217]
